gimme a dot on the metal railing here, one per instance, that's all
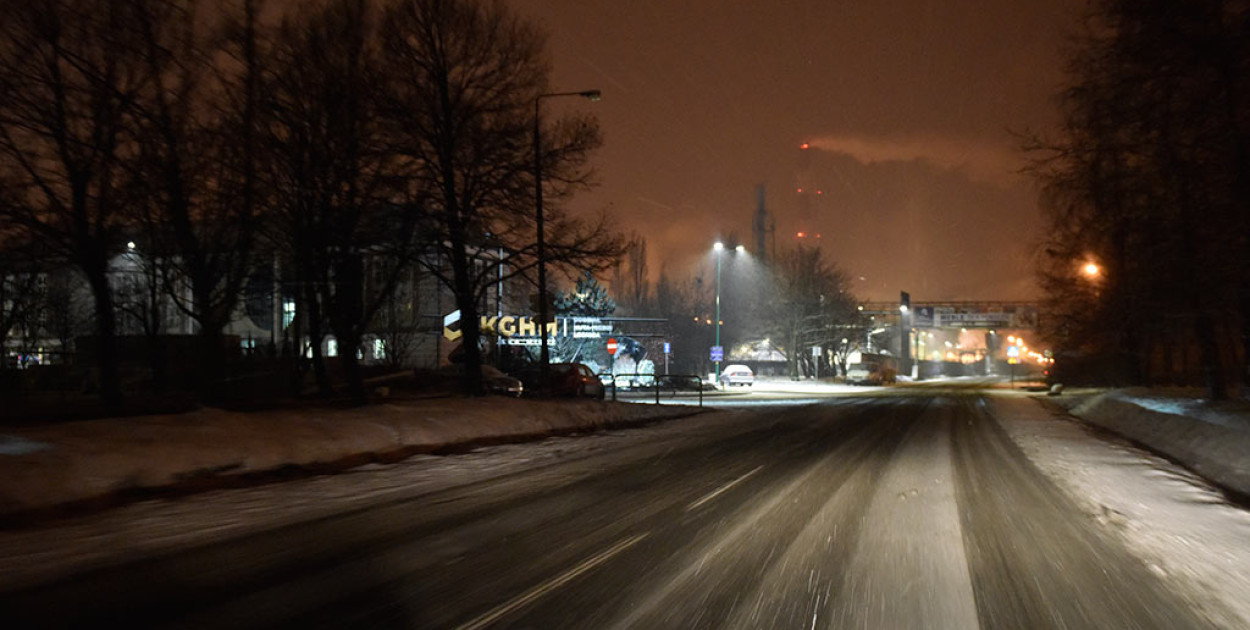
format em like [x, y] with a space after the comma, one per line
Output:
[658, 383]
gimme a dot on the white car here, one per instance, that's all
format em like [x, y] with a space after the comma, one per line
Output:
[737, 375]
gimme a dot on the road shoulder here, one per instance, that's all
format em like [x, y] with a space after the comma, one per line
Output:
[1178, 524]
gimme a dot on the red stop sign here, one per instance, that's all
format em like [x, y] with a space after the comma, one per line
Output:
[611, 345]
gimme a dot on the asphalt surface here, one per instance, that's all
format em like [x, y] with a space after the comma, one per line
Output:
[893, 511]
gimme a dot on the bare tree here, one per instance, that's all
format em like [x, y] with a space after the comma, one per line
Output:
[1148, 180]
[19, 293]
[687, 305]
[810, 305]
[629, 276]
[196, 123]
[346, 198]
[70, 72]
[465, 76]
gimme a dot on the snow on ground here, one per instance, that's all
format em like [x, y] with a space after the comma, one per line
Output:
[52, 465]
[1210, 438]
[1180, 525]
[152, 527]
[1234, 414]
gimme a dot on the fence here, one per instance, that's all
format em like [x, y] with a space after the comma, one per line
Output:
[658, 383]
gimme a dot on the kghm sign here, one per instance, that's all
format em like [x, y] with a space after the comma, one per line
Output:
[522, 330]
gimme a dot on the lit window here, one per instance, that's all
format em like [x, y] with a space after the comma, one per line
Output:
[332, 348]
[379, 349]
[288, 312]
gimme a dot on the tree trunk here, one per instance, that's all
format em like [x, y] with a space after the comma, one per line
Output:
[211, 366]
[315, 336]
[470, 323]
[349, 344]
[106, 332]
[347, 319]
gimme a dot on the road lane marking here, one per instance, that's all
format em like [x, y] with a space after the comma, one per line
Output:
[722, 489]
[537, 592]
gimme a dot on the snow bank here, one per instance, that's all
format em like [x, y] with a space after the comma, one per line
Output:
[1212, 439]
[100, 460]
[1180, 526]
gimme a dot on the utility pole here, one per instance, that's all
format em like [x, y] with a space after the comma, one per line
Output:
[904, 343]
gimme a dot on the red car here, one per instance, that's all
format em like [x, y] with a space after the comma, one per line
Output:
[567, 379]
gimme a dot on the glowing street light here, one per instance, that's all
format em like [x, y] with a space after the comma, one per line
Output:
[1091, 270]
[719, 247]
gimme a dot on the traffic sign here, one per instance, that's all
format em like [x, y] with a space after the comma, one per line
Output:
[718, 354]
[612, 345]
[668, 348]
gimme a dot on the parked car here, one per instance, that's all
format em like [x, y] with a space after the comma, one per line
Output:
[739, 375]
[495, 381]
[567, 379]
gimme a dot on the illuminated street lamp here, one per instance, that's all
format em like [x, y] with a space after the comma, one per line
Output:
[544, 360]
[719, 247]
[1091, 270]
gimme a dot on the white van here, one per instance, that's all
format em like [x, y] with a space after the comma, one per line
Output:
[865, 374]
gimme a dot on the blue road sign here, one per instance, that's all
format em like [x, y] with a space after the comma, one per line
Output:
[718, 353]
[668, 348]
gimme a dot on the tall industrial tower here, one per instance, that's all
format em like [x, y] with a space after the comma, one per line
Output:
[763, 226]
[808, 195]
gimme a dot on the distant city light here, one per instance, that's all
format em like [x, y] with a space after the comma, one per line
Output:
[740, 249]
[718, 246]
[1091, 269]
[805, 146]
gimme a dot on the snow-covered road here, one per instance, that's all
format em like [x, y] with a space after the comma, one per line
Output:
[926, 510]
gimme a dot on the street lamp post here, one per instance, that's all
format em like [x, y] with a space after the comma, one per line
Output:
[544, 361]
[719, 247]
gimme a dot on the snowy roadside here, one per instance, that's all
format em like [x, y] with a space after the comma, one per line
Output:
[98, 461]
[1175, 521]
[154, 527]
[1212, 439]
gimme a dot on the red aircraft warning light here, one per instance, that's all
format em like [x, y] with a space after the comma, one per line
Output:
[805, 146]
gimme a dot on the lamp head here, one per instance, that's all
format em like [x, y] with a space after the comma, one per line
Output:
[718, 246]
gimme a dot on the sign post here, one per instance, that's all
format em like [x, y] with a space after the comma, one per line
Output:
[1013, 357]
[612, 346]
[668, 349]
[717, 355]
